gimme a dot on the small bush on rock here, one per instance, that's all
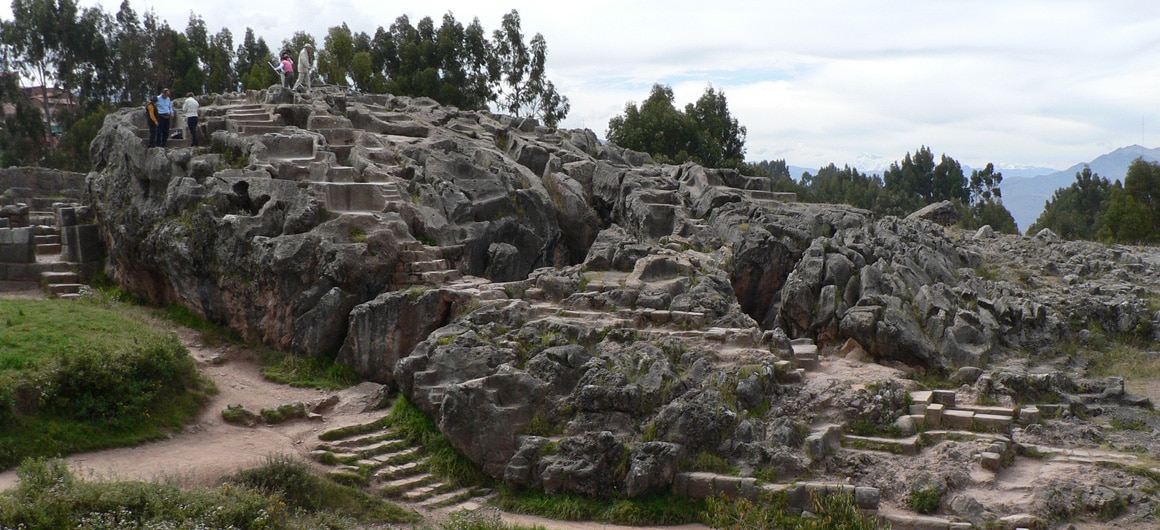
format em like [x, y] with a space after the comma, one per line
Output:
[925, 500]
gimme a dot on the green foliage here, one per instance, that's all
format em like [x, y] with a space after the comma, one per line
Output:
[712, 463]
[841, 186]
[917, 181]
[1077, 211]
[704, 133]
[443, 460]
[832, 512]
[22, 136]
[988, 212]
[88, 374]
[210, 333]
[656, 510]
[281, 494]
[239, 415]
[925, 500]
[1133, 210]
[283, 413]
[524, 90]
[539, 427]
[72, 152]
[323, 372]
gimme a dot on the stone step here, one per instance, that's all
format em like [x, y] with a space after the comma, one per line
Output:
[441, 277]
[48, 248]
[448, 498]
[423, 493]
[419, 267]
[250, 116]
[60, 289]
[327, 121]
[360, 441]
[317, 454]
[342, 174]
[399, 471]
[1008, 412]
[48, 239]
[423, 254]
[898, 446]
[383, 446]
[51, 277]
[255, 130]
[899, 521]
[397, 455]
[408, 483]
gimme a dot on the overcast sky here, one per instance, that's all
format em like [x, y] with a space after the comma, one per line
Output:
[1015, 82]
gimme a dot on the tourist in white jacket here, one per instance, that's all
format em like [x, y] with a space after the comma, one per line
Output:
[189, 108]
[305, 67]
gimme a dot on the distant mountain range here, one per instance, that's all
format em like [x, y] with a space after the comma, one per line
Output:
[1027, 189]
[1024, 197]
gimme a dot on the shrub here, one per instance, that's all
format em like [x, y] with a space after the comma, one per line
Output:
[282, 494]
[925, 500]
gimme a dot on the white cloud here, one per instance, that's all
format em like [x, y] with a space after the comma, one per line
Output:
[1023, 82]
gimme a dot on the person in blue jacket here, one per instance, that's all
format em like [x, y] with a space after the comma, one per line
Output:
[164, 114]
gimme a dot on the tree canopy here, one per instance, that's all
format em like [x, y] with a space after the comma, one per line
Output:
[905, 186]
[104, 60]
[1133, 209]
[1077, 211]
[705, 132]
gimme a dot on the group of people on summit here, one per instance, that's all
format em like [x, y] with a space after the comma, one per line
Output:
[285, 68]
[159, 111]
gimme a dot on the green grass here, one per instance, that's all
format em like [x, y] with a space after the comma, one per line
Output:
[925, 500]
[832, 512]
[665, 509]
[34, 331]
[321, 372]
[211, 334]
[282, 494]
[443, 460]
[89, 374]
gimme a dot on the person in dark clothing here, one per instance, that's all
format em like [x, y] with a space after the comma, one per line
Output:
[151, 119]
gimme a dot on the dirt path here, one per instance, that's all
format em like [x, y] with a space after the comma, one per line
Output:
[209, 448]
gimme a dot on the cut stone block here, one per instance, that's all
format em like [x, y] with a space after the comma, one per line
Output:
[921, 397]
[867, 498]
[993, 423]
[958, 419]
[934, 413]
[1029, 415]
[946, 397]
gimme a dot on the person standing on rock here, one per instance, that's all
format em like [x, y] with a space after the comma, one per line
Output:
[164, 114]
[189, 108]
[151, 119]
[304, 68]
[287, 69]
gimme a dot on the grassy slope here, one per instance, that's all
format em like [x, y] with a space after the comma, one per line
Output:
[84, 375]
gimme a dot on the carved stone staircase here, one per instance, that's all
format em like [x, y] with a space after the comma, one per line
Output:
[381, 460]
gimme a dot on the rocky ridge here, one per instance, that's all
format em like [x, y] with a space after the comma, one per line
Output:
[577, 318]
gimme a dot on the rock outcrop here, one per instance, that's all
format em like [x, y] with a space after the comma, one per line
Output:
[574, 316]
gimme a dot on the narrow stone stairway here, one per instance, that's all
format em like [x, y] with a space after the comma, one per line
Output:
[378, 458]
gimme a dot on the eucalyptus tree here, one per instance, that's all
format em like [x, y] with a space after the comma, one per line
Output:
[525, 89]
